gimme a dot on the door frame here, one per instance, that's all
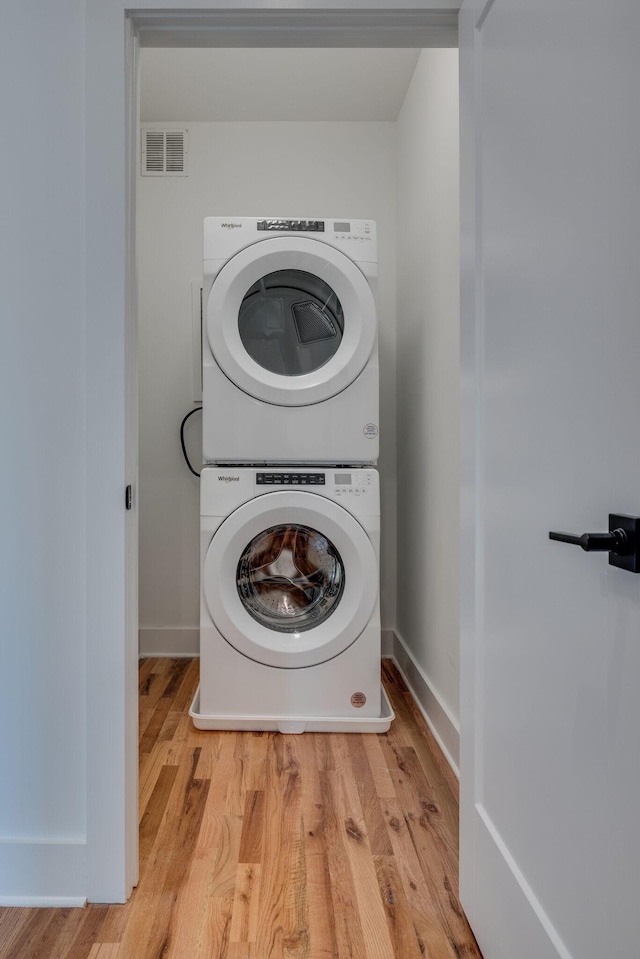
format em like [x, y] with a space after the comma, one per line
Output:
[114, 35]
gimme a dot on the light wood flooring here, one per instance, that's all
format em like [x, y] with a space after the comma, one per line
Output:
[269, 846]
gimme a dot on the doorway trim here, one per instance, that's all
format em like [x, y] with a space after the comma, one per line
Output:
[114, 35]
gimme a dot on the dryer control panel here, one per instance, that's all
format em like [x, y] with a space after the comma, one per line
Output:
[225, 236]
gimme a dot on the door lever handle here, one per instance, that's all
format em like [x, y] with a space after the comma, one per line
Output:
[617, 541]
[622, 542]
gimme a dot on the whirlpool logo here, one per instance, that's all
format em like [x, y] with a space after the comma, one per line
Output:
[228, 479]
[231, 226]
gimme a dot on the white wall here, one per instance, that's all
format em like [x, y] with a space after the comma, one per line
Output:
[428, 375]
[43, 476]
[241, 169]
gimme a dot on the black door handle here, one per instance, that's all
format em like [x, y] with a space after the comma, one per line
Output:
[617, 541]
[622, 542]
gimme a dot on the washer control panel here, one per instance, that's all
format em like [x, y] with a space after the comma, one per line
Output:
[290, 479]
[223, 489]
[355, 482]
[294, 226]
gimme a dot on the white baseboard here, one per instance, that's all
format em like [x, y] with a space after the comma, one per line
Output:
[42, 902]
[387, 638]
[41, 873]
[173, 641]
[440, 721]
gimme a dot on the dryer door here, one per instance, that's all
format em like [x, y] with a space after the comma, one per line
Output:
[290, 579]
[291, 320]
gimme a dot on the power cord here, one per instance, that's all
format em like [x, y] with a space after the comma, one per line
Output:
[198, 409]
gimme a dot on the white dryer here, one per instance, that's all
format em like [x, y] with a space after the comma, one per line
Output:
[289, 345]
[290, 617]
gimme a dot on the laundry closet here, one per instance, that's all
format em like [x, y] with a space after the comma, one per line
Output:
[362, 134]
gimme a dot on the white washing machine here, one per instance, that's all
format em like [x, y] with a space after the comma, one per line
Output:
[290, 615]
[289, 344]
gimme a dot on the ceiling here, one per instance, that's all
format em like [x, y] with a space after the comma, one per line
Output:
[221, 84]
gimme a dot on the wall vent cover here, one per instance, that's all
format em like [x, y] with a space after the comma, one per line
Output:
[164, 152]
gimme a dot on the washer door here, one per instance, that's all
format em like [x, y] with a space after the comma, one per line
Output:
[290, 579]
[291, 321]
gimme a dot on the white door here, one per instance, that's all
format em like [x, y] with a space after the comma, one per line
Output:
[291, 320]
[550, 842]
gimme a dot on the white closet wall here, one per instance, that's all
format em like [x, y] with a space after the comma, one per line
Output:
[428, 375]
[317, 169]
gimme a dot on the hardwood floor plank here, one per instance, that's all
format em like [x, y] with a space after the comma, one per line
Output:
[114, 923]
[217, 929]
[296, 905]
[210, 878]
[242, 950]
[221, 772]
[185, 693]
[28, 943]
[419, 732]
[252, 827]
[416, 734]
[225, 859]
[186, 937]
[379, 769]
[12, 922]
[324, 753]
[154, 725]
[430, 933]
[436, 847]
[404, 938]
[151, 764]
[168, 729]
[244, 920]
[375, 930]
[105, 950]
[283, 926]
[177, 674]
[87, 932]
[376, 827]
[144, 671]
[155, 809]
[346, 914]
[156, 682]
[322, 939]
[254, 772]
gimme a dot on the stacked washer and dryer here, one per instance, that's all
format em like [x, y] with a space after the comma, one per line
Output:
[290, 498]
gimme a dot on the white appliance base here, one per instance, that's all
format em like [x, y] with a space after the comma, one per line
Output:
[296, 724]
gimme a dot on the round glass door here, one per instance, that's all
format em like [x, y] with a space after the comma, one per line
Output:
[291, 322]
[290, 578]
